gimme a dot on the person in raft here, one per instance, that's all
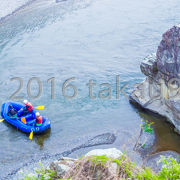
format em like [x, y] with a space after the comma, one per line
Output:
[12, 112]
[39, 119]
[27, 109]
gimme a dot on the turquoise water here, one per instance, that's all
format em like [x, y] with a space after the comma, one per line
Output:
[87, 40]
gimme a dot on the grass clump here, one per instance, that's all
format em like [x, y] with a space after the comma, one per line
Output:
[98, 167]
[99, 160]
[126, 168]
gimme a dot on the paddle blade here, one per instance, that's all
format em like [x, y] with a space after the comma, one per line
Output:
[39, 107]
[23, 120]
[31, 136]
[1, 120]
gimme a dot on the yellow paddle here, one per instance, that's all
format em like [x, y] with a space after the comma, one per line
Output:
[39, 107]
[31, 136]
[1, 120]
[23, 119]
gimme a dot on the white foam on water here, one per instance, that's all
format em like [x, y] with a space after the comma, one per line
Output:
[9, 6]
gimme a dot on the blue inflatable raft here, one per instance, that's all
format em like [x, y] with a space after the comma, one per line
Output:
[30, 119]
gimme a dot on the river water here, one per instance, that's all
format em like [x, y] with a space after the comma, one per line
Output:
[88, 40]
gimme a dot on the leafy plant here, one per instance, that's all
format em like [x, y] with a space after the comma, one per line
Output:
[147, 127]
[147, 174]
[41, 174]
[45, 174]
[143, 146]
[170, 169]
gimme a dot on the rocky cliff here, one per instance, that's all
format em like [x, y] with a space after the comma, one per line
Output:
[160, 91]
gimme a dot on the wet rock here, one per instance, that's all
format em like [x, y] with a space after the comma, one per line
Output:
[160, 92]
[106, 138]
[145, 143]
[112, 152]
[153, 161]
[102, 139]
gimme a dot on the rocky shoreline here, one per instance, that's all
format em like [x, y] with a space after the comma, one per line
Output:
[101, 164]
[64, 166]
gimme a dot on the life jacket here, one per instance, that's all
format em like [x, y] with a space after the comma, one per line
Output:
[39, 120]
[29, 106]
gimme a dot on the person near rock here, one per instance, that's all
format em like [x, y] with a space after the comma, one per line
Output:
[39, 119]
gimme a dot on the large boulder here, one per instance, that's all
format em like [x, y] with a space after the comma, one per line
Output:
[160, 92]
[112, 153]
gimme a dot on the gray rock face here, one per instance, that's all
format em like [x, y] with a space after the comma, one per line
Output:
[160, 92]
[168, 53]
[149, 65]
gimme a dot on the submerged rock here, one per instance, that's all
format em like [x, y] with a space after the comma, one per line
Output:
[160, 92]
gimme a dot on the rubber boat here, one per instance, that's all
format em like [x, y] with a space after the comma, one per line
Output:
[30, 119]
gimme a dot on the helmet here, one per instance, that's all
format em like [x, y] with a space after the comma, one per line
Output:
[25, 101]
[37, 114]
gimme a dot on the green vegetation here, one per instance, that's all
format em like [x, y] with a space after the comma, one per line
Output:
[41, 174]
[126, 169]
[99, 159]
[146, 126]
[170, 169]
